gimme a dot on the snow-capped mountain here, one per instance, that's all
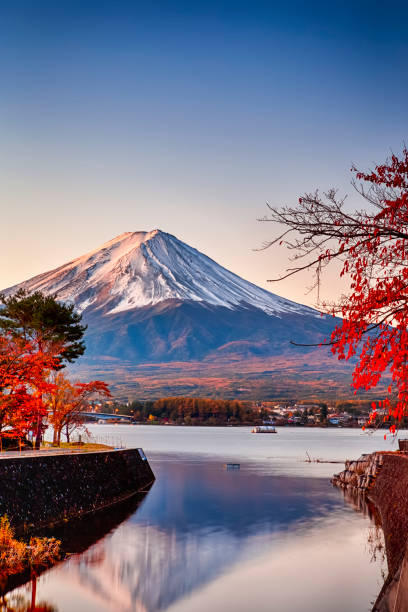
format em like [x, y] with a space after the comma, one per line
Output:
[147, 296]
[138, 269]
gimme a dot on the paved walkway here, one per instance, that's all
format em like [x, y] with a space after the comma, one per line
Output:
[51, 451]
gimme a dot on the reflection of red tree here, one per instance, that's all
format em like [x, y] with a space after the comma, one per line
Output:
[21, 604]
[33, 607]
[372, 246]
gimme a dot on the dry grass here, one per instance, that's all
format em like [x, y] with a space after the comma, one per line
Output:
[17, 556]
[83, 446]
[86, 446]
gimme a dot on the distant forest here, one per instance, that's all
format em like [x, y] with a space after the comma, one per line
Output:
[192, 410]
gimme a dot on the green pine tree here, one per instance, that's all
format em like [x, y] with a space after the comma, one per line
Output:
[44, 321]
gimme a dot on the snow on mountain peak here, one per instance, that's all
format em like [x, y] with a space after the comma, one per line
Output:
[138, 269]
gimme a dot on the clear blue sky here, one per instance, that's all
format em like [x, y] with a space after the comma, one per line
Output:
[187, 116]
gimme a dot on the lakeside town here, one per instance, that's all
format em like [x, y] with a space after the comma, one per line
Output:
[199, 411]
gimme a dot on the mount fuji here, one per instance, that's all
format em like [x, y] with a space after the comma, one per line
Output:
[143, 269]
[147, 297]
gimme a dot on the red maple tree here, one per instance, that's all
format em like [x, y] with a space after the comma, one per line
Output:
[23, 380]
[372, 245]
[67, 401]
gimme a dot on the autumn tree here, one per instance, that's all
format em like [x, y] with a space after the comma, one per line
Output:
[196, 409]
[371, 245]
[53, 328]
[23, 380]
[66, 402]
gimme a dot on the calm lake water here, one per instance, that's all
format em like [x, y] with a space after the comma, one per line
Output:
[273, 536]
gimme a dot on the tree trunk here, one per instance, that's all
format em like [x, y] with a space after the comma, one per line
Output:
[38, 434]
[59, 437]
[67, 433]
[55, 440]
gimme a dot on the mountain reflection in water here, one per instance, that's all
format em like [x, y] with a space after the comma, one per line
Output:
[203, 538]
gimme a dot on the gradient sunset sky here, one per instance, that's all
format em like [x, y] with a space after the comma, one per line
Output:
[188, 116]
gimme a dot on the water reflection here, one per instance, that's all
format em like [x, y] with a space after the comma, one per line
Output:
[202, 528]
[76, 537]
[19, 602]
[357, 499]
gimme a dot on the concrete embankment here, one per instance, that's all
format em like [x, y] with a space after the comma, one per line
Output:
[42, 489]
[383, 478]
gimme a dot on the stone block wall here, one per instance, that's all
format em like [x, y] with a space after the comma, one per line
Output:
[49, 488]
[361, 473]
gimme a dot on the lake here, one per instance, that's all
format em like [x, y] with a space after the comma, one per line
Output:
[273, 535]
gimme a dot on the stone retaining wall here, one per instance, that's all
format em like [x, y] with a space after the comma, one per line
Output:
[383, 479]
[390, 495]
[44, 489]
[361, 473]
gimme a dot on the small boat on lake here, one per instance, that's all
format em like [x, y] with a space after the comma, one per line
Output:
[232, 466]
[264, 429]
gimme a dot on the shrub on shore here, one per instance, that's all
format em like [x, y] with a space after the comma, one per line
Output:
[17, 556]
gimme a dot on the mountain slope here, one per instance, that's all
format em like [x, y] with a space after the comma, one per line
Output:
[148, 297]
[140, 269]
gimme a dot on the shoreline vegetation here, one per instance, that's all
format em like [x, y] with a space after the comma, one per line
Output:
[18, 556]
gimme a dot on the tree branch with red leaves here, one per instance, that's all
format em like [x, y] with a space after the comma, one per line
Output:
[371, 245]
[67, 401]
[23, 379]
